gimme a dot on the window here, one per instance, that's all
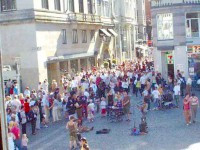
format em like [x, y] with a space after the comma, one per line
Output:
[7, 5]
[165, 26]
[84, 36]
[192, 25]
[75, 35]
[81, 6]
[92, 36]
[57, 4]
[45, 4]
[71, 5]
[64, 38]
[90, 6]
[106, 8]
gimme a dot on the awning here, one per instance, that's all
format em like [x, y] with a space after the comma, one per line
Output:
[113, 32]
[105, 32]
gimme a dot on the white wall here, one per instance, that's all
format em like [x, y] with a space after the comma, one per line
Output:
[181, 59]
[25, 4]
[19, 40]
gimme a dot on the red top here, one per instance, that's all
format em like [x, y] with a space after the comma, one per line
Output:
[16, 132]
[22, 101]
[186, 105]
[26, 107]
[98, 80]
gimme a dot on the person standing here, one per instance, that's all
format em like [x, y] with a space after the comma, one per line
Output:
[188, 85]
[33, 118]
[176, 93]
[127, 105]
[71, 125]
[23, 120]
[71, 104]
[186, 109]
[194, 104]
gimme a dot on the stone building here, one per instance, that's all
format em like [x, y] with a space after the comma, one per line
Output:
[176, 36]
[46, 37]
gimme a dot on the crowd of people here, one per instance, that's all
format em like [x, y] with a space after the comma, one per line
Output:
[79, 98]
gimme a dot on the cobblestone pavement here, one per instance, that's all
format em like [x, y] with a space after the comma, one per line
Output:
[167, 131]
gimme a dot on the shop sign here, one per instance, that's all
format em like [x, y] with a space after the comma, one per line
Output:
[193, 49]
[170, 59]
[191, 71]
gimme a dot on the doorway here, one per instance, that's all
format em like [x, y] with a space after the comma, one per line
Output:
[170, 68]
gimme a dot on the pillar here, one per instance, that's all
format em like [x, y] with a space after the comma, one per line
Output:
[79, 65]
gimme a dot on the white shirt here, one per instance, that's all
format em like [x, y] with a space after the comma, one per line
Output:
[145, 93]
[124, 84]
[17, 104]
[91, 106]
[74, 83]
[27, 93]
[86, 94]
[103, 105]
[143, 79]
[189, 81]
[155, 94]
[177, 90]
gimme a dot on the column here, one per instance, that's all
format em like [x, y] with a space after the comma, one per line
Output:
[79, 65]
[69, 67]
[88, 63]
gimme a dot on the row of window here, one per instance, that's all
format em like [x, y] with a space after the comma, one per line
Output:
[75, 36]
[11, 5]
[45, 5]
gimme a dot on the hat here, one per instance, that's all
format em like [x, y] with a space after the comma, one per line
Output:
[83, 139]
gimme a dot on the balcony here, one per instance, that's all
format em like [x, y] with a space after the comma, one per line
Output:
[88, 18]
[165, 3]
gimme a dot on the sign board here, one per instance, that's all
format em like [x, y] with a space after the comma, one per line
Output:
[170, 59]
[180, 67]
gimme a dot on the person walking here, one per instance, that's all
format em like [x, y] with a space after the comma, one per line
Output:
[194, 104]
[186, 109]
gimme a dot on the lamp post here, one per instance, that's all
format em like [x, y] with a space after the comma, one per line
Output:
[2, 106]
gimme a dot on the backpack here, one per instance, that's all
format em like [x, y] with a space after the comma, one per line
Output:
[183, 82]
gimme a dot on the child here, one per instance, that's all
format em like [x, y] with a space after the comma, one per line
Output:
[24, 142]
[91, 111]
[103, 107]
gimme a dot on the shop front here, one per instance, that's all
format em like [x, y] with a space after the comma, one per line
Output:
[194, 61]
[60, 66]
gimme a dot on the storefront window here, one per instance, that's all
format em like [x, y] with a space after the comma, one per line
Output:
[194, 61]
[192, 24]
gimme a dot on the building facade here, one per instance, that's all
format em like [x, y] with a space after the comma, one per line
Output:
[45, 38]
[176, 37]
[141, 13]
[125, 19]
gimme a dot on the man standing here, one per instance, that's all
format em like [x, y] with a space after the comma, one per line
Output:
[127, 105]
[176, 93]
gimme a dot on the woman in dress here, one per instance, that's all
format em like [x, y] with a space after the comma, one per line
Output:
[186, 109]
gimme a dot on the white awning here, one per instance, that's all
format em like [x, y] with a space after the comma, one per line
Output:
[113, 32]
[105, 32]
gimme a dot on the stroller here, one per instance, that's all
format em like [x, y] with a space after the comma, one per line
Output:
[166, 100]
[115, 114]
